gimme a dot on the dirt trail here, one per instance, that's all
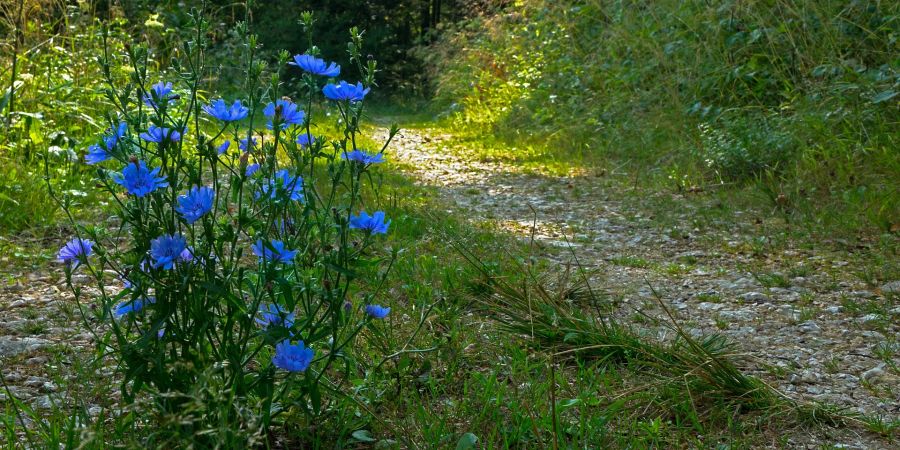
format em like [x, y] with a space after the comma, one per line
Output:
[800, 325]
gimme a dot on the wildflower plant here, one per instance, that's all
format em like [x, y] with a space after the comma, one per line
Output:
[224, 271]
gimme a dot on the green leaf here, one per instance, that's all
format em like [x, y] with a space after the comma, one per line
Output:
[8, 198]
[35, 116]
[315, 396]
[884, 96]
[467, 441]
[568, 403]
[363, 436]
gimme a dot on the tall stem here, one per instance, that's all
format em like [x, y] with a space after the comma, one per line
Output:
[15, 67]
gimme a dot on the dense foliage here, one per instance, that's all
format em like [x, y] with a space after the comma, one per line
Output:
[395, 28]
[800, 96]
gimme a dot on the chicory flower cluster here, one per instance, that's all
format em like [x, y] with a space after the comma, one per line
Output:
[235, 260]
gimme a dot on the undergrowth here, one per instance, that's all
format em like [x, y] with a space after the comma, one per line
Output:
[797, 100]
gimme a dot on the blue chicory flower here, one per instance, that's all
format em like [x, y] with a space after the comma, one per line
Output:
[225, 113]
[114, 135]
[246, 148]
[186, 255]
[160, 93]
[132, 306]
[377, 311]
[316, 66]
[76, 251]
[345, 91]
[223, 148]
[362, 157]
[304, 140]
[138, 180]
[251, 169]
[160, 134]
[166, 250]
[291, 185]
[293, 358]
[274, 315]
[96, 154]
[273, 252]
[374, 224]
[197, 202]
[288, 113]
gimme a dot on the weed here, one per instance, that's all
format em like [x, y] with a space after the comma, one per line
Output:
[772, 279]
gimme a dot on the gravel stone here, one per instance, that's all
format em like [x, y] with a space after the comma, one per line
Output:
[12, 345]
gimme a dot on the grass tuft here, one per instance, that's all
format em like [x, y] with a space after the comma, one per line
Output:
[692, 378]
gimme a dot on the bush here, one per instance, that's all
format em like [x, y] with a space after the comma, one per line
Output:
[244, 270]
[741, 88]
[745, 147]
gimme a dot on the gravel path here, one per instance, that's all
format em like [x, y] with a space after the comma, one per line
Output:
[44, 346]
[811, 327]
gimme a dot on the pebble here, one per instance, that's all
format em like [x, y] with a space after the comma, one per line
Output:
[740, 314]
[789, 312]
[80, 279]
[42, 402]
[755, 297]
[741, 284]
[18, 287]
[18, 304]
[810, 376]
[35, 382]
[869, 320]
[873, 373]
[12, 345]
[891, 288]
[810, 326]
[707, 306]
